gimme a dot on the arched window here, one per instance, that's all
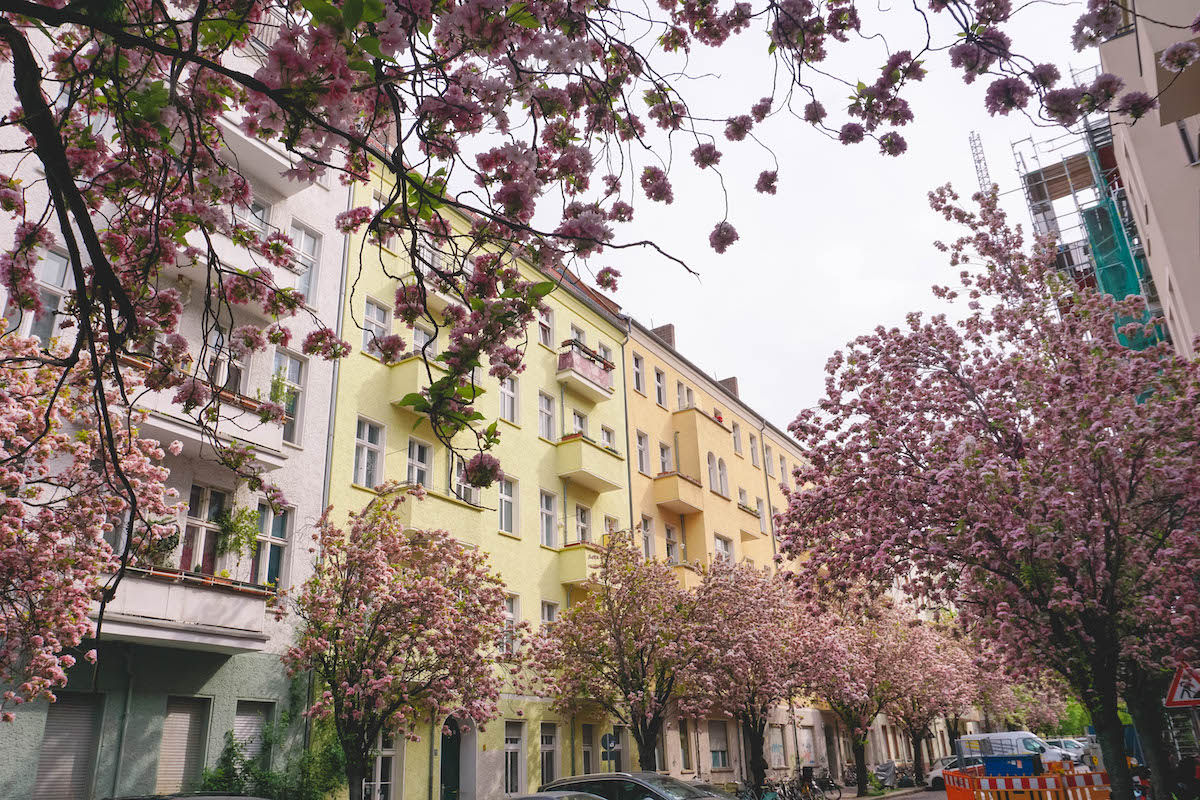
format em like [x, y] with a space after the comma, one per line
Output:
[713, 481]
[723, 476]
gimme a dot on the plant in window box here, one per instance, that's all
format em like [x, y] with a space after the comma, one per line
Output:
[238, 532]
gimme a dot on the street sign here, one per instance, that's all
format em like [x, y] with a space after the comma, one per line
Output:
[608, 743]
[1185, 689]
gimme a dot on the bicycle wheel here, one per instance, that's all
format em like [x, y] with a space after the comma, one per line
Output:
[831, 791]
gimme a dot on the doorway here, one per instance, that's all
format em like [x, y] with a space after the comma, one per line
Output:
[450, 750]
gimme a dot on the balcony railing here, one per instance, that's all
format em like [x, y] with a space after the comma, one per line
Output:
[585, 372]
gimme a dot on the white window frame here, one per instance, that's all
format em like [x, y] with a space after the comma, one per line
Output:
[647, 537]
[671, 536]
[373, 326]
[512, 615]
[660, 387]
[548, 750]
[783, 471]
[743, 497]
[428, 347]
[546, 328]
[548, 518]
[724, 552]
[416, 465]
[720, 758]
[203, 528]
[762, 514]
[363, 446]
[546, 416]
[639, 374]
[260, 222]
[549, 612]
[578, 335]
[52, 293]
[579, 422]
[737, 438]
[514, 757]
[608, 437]
[306, 262]
[225, 372]
[456, 480]
[509, 503]
[723, 477]
[605, 352]
[666, 463]
[260, 559]
[680, 396]
[293, 391]
[583, 523]
[385, 748]
[768, 456]
[377, 199]
[754, 449]
[643, 452]
[509, 399]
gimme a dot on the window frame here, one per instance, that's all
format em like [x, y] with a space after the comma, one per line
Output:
[577, 417]
[643, 452]
[292, 390]
[203, 529]
[639, 374]
[546, 417]
[726, 552]
[647, 527]
[514, 757]
[512, 396]
[768, 457]
[724, 758]
[737, 438]
[512, 500]
[674, 546]
[666, 458]
[608, 437]
[427, 466]
[266, 537]
[550, 750]
[583, 523]
[754, 450]
[660, 387]
[546, 328]
[308, 263]
[372, 325]
[548, 519]
[365, 445]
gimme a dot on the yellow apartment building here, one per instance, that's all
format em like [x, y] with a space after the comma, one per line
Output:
[563, 452]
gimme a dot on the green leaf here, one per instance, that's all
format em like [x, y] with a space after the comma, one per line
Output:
[519, 14]
[542, 289]
[372, 11]
[371, 45]
[425, 27]
[772, 48]
[359, 65]
[414, 399]
[352, 11]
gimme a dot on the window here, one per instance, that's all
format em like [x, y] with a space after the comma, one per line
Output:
[225, 371]
[548, 504]
[768, 457]
[672, 544]
[578, 335]
[605, 352]
[714, 482]
[181, 748]
[257, 216]
[723, 547]
[583, 523]
[743, 498]
[665, 462]
[549, 612]
[639, 374]
[511, 615]
[718, 743]
[514, 737]
[428, 255]
[762, 514]
[610, 524]
[267, 563]
[783, 472]
[289, 373]
[647, 527]
[589, 747]
[456, 481]
[65, 765]
[377, 323]
[424, 342]
[680, 395]
[508, 399]
[775, 746]
[660, 388]
[737, 438]
[685, 746]
[546, 327]
[55, 281]
[643, 453]
[383, 773]
[508, 506]
[723, 477]
[754, 449]
[368, 454]
[549, 750]
[579, 422]
[608, 438]
[306, 248]
[420, 462]
[382, 202]
[206, 507]
[545, 416]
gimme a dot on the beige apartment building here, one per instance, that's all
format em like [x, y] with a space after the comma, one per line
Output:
[1159, 158]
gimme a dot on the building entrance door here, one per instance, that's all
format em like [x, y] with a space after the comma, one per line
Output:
[451, 747]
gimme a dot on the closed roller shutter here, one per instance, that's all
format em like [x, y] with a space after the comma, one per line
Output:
[248, 727]
[181, 755]
[68, 747]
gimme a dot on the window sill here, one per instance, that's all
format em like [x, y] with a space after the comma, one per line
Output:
[516, 425]
[548, 348]
[360, 487]
[547, 441]
[551, 549]
[293, 445]
[508, 535]
[718, 494]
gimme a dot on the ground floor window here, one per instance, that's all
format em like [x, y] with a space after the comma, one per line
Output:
[514, 740]
[65, 763]
[181, 753]
[379, 785]
[718, 743]
[549, 751]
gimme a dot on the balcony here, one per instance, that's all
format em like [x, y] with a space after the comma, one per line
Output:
[171, 608]
[587, 464]
[688, 575]
[263, 162]
[584, 372]
[576, 563]
[436, 299]
[442, 511]
[678, 493]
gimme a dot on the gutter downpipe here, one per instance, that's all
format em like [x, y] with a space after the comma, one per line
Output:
[333, 386]
[432, 731]
[625, 403]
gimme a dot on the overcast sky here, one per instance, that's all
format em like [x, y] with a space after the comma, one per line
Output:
[846, 244]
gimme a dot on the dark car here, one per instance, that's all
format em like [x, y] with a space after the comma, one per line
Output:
[189, 796]
[558, 796]
[630, 786]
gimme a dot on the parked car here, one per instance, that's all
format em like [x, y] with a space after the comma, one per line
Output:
[630, 786]
[1072, 746]
[188, 796]
[936, 781]
[559, 796]
[1012, 743]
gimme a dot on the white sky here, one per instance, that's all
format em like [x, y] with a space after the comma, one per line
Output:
[846, 244]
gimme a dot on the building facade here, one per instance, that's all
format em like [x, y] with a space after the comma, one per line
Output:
[1159, 156]
[190, 649]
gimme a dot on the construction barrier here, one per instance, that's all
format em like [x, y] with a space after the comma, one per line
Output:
[972, 784]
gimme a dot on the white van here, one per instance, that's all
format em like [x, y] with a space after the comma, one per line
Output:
[1011, 743]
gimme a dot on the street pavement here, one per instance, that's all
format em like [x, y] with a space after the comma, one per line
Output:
[930, 795]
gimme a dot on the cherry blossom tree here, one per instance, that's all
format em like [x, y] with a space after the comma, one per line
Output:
[628, 644]
[1021, 464]
[862, 672]
[62, 509]
[765, 648]
[397, 624]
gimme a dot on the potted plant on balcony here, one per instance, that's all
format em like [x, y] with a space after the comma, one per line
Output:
[238, 533]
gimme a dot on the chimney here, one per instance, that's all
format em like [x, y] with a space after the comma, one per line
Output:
[730, 384]
[666, 333]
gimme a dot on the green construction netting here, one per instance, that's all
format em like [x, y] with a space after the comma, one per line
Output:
[1118, 270]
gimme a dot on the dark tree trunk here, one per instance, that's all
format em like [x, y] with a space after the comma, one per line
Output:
[646, 737]
[754, 727]
[859, 746]
[1144, 694]
[918, 739]
[356, 772]
[1111, 735]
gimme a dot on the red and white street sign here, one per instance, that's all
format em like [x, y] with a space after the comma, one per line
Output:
[1185, 689]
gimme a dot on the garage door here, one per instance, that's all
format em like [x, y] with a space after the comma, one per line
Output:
[68, 747]
[181, 755]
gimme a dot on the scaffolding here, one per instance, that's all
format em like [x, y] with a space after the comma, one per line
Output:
[1075, 194]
